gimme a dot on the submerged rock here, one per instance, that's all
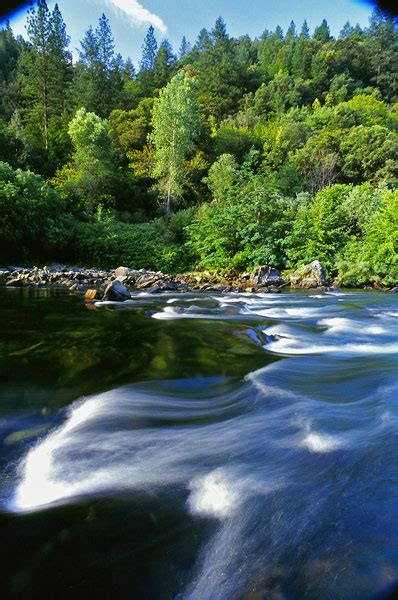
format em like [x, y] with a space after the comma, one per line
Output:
[92, 295]
[309, 276]
[266, 275]
[117, 292]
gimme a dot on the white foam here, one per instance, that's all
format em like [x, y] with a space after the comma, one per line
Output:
[288, 346]
[321, 443]
[338, 325]
[214, 495]
[292, 313]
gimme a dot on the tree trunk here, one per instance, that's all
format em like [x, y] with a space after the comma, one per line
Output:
[168, 202]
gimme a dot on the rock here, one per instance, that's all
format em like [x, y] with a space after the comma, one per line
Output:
[218, 287]
[309, 276]
[144, 283]
[394, 289]
[266, 275]
[91, 295]
[16, 282]
[127, 274]
[116, 291]
[76, 287]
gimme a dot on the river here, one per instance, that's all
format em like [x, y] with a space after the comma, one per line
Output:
[201, 447]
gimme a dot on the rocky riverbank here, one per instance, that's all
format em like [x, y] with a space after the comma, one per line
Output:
[78, 279]
[119, 283]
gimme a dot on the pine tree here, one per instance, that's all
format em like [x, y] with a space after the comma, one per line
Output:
[291, 32]
[383, 53]
[106, 44]
[10, 50]
[61, 58]
[322, 32]
[301, 57]
[44, 66]
[185, 48]
[149, 51]
[98, 76]
[305, 31]
[203, 41]
[346, 31]
[164, 64]
[219, 31]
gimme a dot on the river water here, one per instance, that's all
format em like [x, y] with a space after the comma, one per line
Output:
[201, 447]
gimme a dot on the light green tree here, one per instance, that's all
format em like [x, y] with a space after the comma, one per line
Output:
[176, 125]
[90, 176]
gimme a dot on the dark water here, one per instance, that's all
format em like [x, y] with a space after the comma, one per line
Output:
[199, 447]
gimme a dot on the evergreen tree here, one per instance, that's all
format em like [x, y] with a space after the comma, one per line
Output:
[44, 67]
[291, 33]
[305, 31]
[185, 48]
[383, 53]
[322, 32]
[347, 30]
[203, 42]
[97, 77]
[149, 51]
[220, 75]
[219, 31]
[10, 50]
[106, 44]
[164, 64]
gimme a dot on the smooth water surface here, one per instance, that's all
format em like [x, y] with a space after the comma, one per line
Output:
[204, 447]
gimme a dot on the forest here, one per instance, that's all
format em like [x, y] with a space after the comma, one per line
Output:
[230, 153]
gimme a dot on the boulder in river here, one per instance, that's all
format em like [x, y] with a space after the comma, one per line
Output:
[116, 291]
[266, 275]
[309, 276]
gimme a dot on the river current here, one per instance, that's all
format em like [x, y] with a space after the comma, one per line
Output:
[201, 447]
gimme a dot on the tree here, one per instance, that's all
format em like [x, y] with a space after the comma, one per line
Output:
[98, 79]
[321, 229]
[90, 176]
[374, 257]
[383, 52]
[44, 67]
[220, 76]
[322, 33]
[10, 50]
[176, 125]
[149, 51]
[185, 48]
[165, 59]
[370, 154]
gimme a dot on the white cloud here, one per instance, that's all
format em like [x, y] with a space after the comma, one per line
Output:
[139, 14]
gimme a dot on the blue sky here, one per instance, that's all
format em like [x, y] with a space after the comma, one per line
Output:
[130, 19]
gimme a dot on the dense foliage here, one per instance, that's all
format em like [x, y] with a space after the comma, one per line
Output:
[279, 150]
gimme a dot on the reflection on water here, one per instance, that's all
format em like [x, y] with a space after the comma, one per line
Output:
[203, 447]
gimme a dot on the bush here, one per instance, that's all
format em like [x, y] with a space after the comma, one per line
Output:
[374, 258]
[33, 223]
[321, 229]
[144, 245]
[244, 228]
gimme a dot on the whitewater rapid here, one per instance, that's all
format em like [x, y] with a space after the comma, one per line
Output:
[269, 458]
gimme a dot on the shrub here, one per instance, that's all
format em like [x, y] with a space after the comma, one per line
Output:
[33, 223]
[374, 258]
